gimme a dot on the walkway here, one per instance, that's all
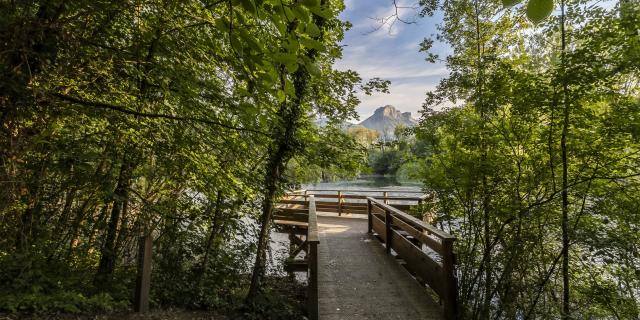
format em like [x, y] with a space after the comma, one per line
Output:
[358, 280]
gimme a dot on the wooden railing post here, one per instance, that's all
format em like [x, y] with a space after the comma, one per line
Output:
[143, 279]
[369, 217]
[387, 223]
[450, 285]
[312, 302]
[312, 261]
[384, 197]
[339, 203]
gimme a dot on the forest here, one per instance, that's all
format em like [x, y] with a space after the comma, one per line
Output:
[187, 120]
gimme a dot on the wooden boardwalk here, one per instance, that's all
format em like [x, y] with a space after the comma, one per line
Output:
[353, 264]
[358, 280]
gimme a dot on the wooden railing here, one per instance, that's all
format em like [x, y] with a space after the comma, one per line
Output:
[354, 201]
[302, 220]
[412, 240]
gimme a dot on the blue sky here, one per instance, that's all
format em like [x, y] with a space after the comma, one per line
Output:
[390, 52]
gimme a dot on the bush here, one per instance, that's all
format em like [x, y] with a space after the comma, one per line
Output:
[409, 171]
[34, 284]
[385, 162]
[63, 301]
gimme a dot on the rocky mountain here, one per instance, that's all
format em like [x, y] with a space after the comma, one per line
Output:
[386, 119]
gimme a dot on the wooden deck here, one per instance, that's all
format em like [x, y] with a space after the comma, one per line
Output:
[358, 280]
[385, 265]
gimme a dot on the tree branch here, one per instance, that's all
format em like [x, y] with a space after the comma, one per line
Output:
[102, 105]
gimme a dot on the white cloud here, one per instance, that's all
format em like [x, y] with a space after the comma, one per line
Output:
[390, 54]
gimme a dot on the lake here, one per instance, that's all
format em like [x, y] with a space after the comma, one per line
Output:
[368, 183]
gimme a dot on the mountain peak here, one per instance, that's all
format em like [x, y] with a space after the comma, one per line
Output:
[387, 111]
[385, 119]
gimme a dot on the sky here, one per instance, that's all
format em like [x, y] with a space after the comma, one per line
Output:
[391, 52]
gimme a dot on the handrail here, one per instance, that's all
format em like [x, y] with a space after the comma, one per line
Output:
[349, 201]
[413, 220]
[359, 196]
[362, 190]
[406, 235]
[312, 231]
[312, 239]
[359, 193]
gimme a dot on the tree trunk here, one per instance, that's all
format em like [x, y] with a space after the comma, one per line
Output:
[566, 296]
[108, 253]
[213, 234]
[271, 181]
[285, 145]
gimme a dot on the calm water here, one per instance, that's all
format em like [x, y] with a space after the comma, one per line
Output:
[368, 183]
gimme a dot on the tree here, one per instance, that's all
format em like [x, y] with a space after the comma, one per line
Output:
[528, 235]
[169, 118]
[366, 137]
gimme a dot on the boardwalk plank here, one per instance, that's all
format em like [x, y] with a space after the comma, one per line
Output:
[358, 280]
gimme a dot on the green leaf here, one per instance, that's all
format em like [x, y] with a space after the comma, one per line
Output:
[510, 3]
[285, 58]
[313, 69]
[292, 67]
[538, 10]
[236, 44]
[313, 30]
[249, 6]
[301, 13]
[324, 13]
[249, 40]
[292, 45]
[312, 44]
[280, 95]
[310, 3]
[222, 23]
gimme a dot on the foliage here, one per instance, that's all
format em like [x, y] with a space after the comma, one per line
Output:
[332, 154]
[160, 117]
[385, 162]
[398, 157]
[536, 170]
[366, 137]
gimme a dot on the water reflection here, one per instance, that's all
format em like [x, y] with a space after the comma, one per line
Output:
[368, 182]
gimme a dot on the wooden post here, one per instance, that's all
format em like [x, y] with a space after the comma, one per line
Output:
[369, 217]
[450, 285]
[143, 279]
[387, 223]
[339, 203]
[312, 261]
[312, 296]
[384, 197]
